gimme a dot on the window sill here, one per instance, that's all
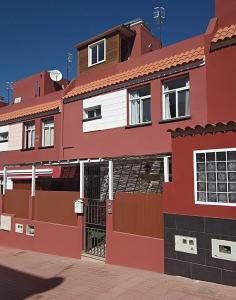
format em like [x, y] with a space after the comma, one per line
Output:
[91, 119]
[1, 142]
[139, 125]
[27, 149]
[97, 63]
[175, 119]
[46, 147]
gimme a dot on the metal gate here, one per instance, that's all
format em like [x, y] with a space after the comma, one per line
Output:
[95, 211]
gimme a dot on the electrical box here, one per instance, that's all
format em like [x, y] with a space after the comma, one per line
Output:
[30, 230]
[186, 244]
[5, 222]
[223, 249]
[19, 228]
[79, 207]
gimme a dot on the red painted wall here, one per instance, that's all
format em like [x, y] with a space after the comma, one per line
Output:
[48, 238]
[133, 251]
[225, 11]
[37, 154]
[221, 94]
[178, 196]
[132, 141]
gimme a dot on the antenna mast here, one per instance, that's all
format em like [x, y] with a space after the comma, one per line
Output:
[9, 87]
[68, 62]
[159, 16]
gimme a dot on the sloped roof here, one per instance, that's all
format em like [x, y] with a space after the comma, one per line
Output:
[224, 33]
[156, 66]
[32, 110]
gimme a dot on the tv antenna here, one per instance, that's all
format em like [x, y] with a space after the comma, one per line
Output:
[9, 87]
[159, 16]
[68, 63]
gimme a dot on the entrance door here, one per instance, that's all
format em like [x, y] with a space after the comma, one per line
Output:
[95, 211]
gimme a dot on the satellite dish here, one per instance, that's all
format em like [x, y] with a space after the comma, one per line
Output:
[55, 75]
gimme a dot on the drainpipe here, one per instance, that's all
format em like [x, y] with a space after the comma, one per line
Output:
[33, 181]
[4, 180]
[81, 190]
[111, 197]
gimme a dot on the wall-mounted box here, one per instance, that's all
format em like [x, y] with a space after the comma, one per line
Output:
[30, 230]
[186, 244]
[223, 249]
[5, 222]
[79, 207]
[19, 228]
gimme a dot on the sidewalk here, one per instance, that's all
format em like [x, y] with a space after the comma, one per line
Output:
[30, 275]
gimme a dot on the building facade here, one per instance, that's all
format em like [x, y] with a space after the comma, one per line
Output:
[133, 162]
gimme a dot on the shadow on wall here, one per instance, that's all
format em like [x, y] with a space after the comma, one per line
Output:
[17, 285]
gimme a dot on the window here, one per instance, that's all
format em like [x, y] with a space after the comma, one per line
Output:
[176, 98]
[140, 105]
[48, 133]
[93, 112]
[97, 53]
[215, 176]
[29, 135]
[3, 137]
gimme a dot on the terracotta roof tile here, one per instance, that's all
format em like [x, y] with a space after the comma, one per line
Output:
[163, 64]
[224, 33]
[27, 111]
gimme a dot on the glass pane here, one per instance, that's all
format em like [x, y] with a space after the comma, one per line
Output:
[221, 156]
[210, 156]
[222, 176]
[222, 197]
[46, 137]
[221, 166]
[211, 176]
[201, 197]
[201, 166]
[135, 112]
[211, 166]
[32, 138]
[183, 103]
[91, 113]
[211, 187]
[101, 51]
[232, 176]
[211, 197]
[171, 105]
[222, 187]
[134, 94]
[231, 166]
[94, 57]
[176, 83]
[201, 186]
[201, 176]
[232, 187]
[231, 155]
[98, 112]
[232, 198]
[52, 137]
[200, 157]
[144, 91]
[146, 110]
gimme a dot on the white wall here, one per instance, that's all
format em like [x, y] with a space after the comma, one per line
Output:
[15, 136]
[4, 146]
[113, 111]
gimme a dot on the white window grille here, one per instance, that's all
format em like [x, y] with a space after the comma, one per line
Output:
[48, 133]
[97, 52]
[29, 135]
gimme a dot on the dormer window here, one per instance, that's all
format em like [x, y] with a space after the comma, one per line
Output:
[97, 53]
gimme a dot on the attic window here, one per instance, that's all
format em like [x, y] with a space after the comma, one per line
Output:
[97, 53]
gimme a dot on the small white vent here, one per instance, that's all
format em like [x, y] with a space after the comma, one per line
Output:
[223, 249]
[17, 100]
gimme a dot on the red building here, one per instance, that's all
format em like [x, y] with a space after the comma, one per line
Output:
[145, 198]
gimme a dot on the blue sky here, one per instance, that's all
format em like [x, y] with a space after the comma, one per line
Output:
[37, 35]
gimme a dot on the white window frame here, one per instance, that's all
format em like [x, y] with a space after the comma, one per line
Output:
[49, 126]
[140, 100]
[186, 88]
[29, 128]
[4, 140]
[90, 64]
[94, 108]
[195, 177]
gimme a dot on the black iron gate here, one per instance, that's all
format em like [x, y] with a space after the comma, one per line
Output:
[95, 211]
